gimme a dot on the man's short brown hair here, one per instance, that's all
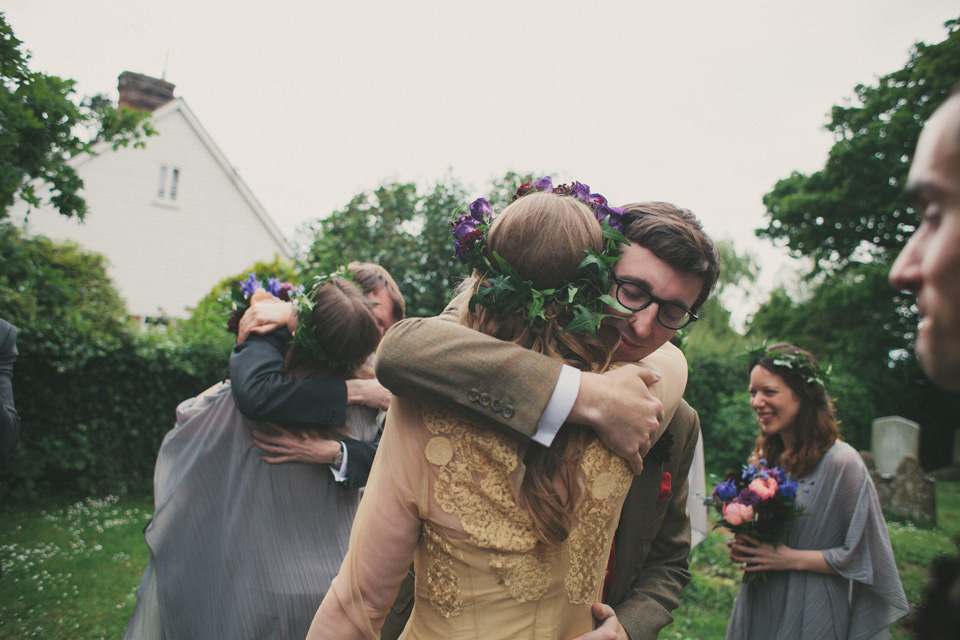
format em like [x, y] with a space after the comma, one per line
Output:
[675, 236]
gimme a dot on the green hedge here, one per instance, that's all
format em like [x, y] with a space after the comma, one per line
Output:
[95, 396]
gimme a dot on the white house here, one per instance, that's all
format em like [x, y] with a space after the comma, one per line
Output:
[172, 219]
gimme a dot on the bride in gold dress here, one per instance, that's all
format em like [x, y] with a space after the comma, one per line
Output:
[508, 539]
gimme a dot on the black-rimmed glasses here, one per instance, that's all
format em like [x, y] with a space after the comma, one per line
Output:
[637, 298]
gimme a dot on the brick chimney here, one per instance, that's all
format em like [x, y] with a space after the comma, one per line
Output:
[143, 92]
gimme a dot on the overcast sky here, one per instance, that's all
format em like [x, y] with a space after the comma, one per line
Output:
[705, 103]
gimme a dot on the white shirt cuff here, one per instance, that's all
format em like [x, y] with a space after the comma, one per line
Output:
[340, 473]
[559, 407]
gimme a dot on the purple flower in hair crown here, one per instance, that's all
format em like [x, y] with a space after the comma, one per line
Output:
[584, 297]
[544, 184]
[597, 203]
[469, 228]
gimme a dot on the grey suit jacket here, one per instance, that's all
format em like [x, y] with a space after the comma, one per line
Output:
[9, 418]
[454, 366]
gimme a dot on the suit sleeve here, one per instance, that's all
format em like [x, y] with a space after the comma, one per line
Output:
[656, 586]
[498, 383]
[262, 393]
[359, 459]
[9, 418]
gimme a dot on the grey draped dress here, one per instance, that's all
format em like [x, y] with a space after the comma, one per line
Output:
[239, 548]
[843, 519]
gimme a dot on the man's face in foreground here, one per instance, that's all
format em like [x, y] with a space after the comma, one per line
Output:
[929, 265]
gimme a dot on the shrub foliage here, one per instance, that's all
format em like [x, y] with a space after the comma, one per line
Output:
[95, 396]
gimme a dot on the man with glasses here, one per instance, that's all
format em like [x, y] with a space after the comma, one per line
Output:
[664, 276]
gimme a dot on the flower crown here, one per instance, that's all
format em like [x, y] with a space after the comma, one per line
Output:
[305, 336]
[239, 300]
[808, 370]
[584, 295]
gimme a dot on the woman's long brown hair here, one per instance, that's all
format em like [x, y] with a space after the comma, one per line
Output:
[544, 237]
[815, 424]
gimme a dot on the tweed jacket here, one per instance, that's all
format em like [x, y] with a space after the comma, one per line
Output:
[508, 388]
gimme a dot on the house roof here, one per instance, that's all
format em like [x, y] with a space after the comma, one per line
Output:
[179, 105]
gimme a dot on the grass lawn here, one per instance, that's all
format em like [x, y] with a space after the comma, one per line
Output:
[72, 571]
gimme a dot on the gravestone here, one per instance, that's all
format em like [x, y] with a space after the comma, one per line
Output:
[908, 495]
[892, 438]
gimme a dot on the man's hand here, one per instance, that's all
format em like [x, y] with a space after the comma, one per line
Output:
[609, 628]
[621, 409]
[287, 447]
[266, 315]
[368, 392]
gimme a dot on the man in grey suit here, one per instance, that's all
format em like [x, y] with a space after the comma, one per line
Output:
[664, 275]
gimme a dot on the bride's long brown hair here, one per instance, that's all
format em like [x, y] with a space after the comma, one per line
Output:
[544, 237]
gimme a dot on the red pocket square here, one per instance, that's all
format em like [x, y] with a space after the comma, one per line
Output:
[665, 483]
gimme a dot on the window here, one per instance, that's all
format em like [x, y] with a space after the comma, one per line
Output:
[163, 193]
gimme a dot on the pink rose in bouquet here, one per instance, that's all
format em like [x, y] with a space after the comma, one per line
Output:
[736, 513]
[764, 487]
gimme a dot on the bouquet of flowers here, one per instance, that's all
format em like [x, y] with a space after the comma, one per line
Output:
[251, 290]
[758, 501]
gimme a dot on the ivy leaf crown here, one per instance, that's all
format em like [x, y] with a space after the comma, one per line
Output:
[583, 296]
[797, 361]
[305, 335]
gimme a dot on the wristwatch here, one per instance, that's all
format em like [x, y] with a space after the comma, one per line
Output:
[338, 459]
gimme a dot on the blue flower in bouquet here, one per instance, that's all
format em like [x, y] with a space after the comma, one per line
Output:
[788, 487]
[726, 490]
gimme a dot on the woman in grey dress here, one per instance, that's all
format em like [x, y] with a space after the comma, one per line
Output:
[240, 548]
[834, 576]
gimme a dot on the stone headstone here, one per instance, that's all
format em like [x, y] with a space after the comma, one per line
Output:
[893, 437]
[908, 495]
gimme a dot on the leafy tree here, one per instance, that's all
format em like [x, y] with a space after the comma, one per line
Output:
[852, 219]
[717, 377]
[502, 191]
[407, 231]
[394, 226]
[42, 127]
[63, 294]
[854, 210]
[850, 321]
[95, 398]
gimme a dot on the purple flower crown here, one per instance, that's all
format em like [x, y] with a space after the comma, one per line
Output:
[584, 296]
[467, 228]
